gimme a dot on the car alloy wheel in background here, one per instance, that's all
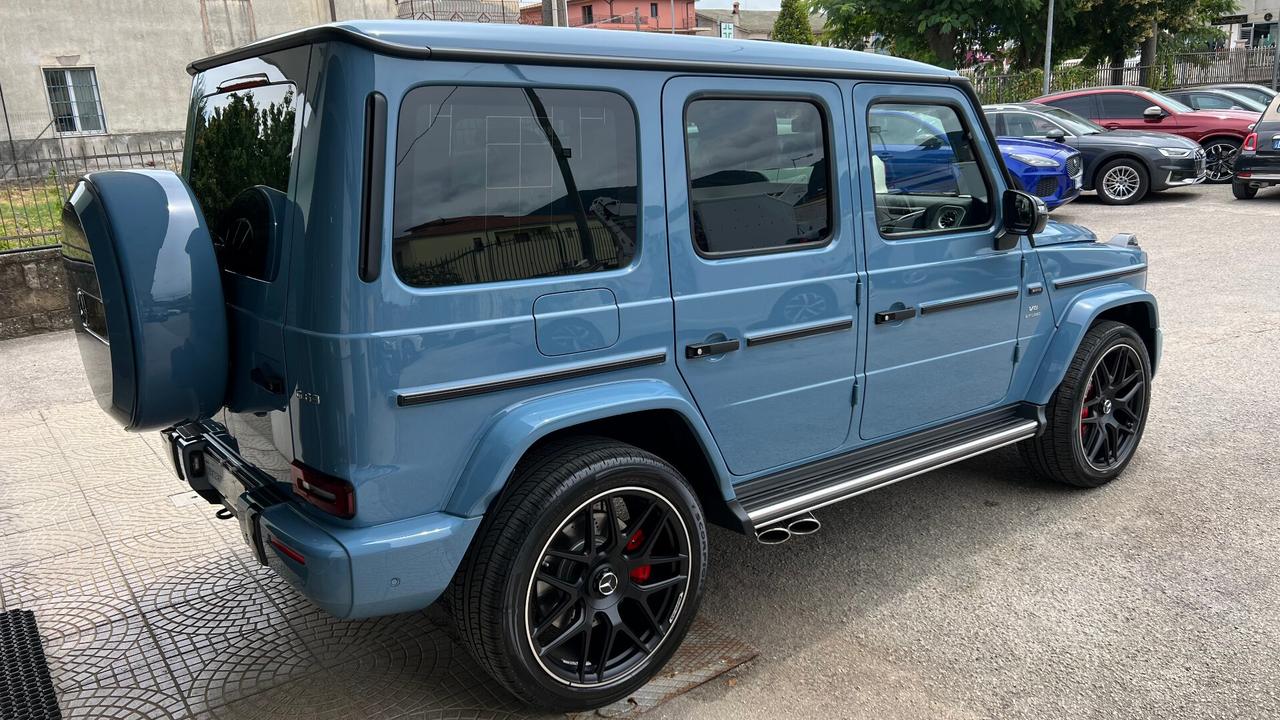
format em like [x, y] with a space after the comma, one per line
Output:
[1121, 182]
[1220, 160]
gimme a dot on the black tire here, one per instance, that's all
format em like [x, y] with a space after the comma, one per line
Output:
[500, 585]
[1243, 191]
[1220, 159]
[1076, 413]
[1122, 182]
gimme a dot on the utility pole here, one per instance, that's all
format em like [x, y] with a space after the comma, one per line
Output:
[1048, 50]
[673, 19]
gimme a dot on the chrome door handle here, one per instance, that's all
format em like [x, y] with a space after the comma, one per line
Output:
[707, 349]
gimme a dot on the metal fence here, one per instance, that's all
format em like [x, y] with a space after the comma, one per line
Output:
[33, 189]
[1254, 65]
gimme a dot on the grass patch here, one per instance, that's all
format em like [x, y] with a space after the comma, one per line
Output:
[28, 210]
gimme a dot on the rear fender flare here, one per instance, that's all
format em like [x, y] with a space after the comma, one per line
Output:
[516, 429]
[1079, 317]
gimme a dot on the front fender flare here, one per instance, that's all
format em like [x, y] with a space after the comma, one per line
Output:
[1076, 321]
[513, 431]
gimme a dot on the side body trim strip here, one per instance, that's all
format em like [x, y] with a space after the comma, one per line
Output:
[801, 332]
[421, 397]
[1096, 276]
[966, 301]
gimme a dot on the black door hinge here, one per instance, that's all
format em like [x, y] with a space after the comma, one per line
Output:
[857, 293]
[1017, 351]
[854, 399]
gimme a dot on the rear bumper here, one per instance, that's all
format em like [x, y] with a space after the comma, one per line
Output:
[1258, 170]
[350, 572]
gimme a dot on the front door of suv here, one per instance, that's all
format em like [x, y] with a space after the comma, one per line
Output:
[763, 266]
[943, 302]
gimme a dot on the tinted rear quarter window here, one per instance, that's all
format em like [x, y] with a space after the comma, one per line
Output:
[507, 183]
[758, 175]
[242, 149]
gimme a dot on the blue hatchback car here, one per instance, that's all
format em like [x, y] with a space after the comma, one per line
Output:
[1050, 170]
[510, 314]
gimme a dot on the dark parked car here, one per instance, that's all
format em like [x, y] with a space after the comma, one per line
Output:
[1261, 93]
[1121, 165]
[1259, 163]
[1129, 107]
[1217, 99]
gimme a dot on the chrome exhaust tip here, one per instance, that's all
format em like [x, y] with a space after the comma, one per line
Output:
[773, 535]
[806, 524]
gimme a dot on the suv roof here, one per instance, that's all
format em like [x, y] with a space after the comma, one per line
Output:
[582, 46]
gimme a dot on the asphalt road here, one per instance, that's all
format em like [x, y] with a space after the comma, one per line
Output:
[980, 592]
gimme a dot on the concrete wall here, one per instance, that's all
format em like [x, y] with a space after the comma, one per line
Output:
[139, 49]
[33, 293]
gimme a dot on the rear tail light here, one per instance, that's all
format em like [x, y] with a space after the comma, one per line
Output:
[1250, 142]
[330, 494]
[287, 551]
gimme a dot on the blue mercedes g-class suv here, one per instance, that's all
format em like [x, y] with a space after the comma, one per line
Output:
[507, 315]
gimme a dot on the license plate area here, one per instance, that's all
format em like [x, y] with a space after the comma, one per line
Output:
[1275, 143]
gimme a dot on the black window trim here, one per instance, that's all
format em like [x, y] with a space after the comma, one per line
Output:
[390, 189]
[832, 193]
[982, 166]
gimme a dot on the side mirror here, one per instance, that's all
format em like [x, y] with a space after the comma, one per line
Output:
[1153, 113]
[1024, 214]
[1056, 135]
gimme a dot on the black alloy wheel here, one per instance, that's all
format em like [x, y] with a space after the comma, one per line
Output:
[1096, 417]
[1112, 408]
[585, 574]
[1220, 160]
[608, 582]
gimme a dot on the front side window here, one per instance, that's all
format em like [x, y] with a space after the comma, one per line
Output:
[74, 101]
[1027, 125]
[758, 175]
[926, 171]
[508, 183]
[242, 149]
[1209, 101]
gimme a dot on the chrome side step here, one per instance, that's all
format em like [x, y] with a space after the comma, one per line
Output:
[845, 486]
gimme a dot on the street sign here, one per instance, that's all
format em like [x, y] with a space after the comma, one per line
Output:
[1230, 20]
[726, 30]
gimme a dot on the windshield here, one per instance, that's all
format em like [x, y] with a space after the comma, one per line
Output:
[1168, 102]
[1075, 124]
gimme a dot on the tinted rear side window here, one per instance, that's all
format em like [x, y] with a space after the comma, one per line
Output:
[504, 183]
[758, 175]
[242, 147]
[1081, 105]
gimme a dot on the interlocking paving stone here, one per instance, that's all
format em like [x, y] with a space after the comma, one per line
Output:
[71, 593]
[50, 541]
[24, 444]
[152, 609]
[40, 479]
[62, 509]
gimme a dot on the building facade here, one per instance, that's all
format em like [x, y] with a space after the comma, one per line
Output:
[1254, 24]
[749, 24]
[636, 15]
[76, 74]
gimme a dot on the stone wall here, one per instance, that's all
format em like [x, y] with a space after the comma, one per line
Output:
[33, 293]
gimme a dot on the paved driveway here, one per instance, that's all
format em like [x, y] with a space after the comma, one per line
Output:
[972, 592]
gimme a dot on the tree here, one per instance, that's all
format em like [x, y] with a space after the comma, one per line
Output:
[792, 25]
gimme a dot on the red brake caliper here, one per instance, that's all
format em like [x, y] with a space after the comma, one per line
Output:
[640, 573]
